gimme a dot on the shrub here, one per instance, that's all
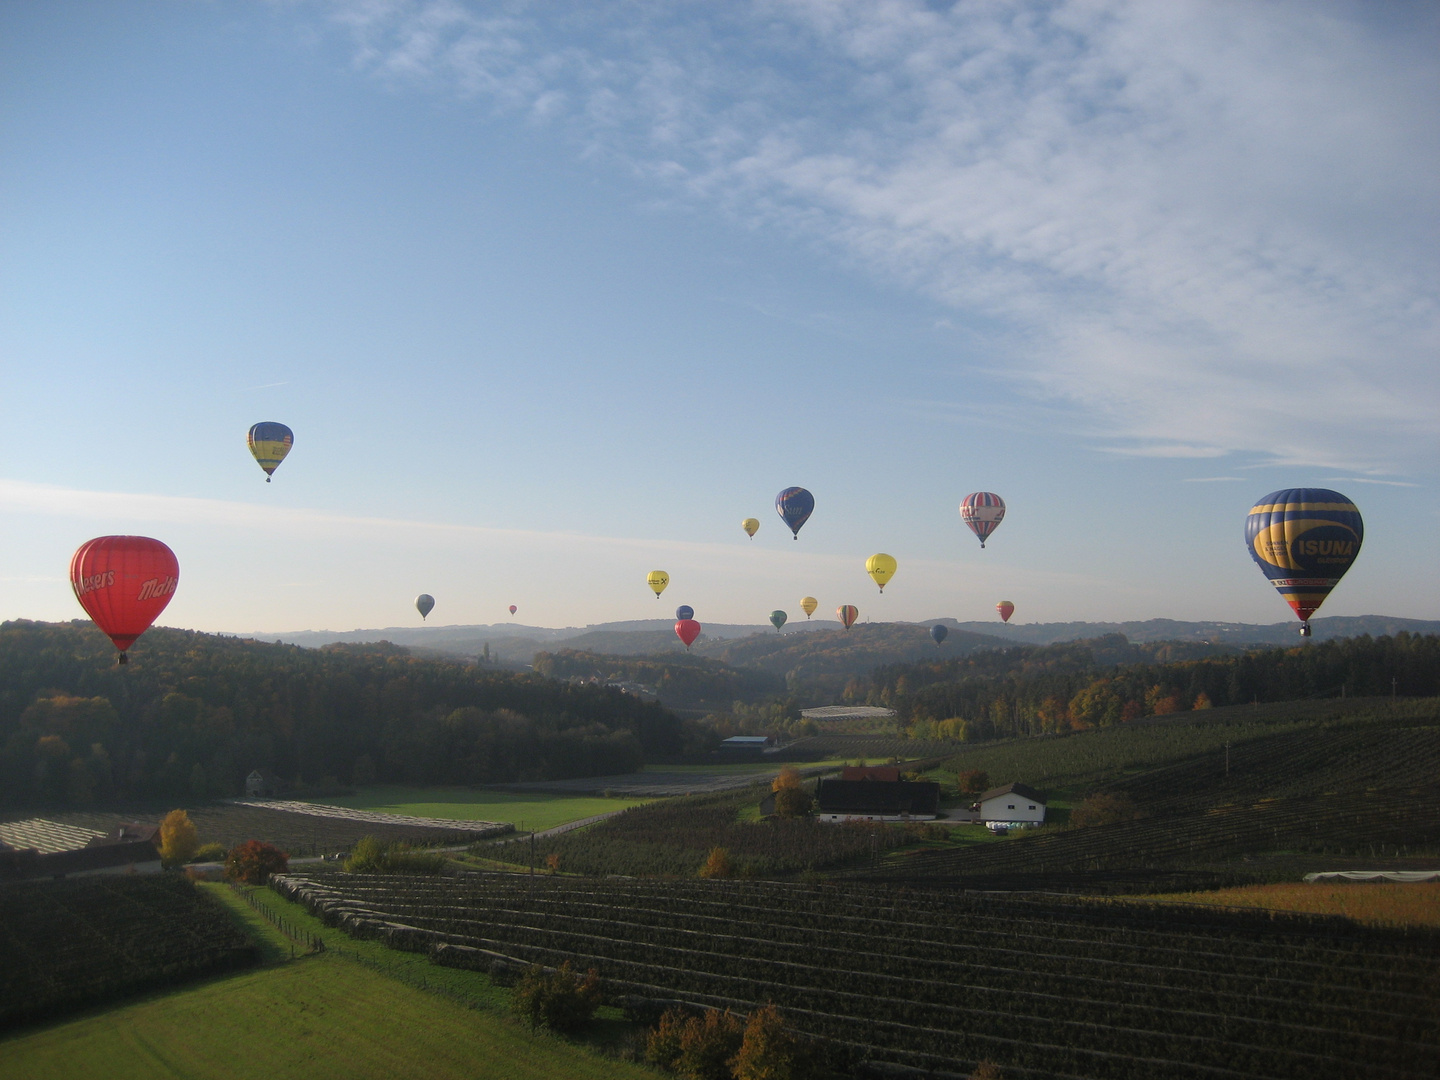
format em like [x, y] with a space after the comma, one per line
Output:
[697, 1048]
[373, 856]
[179, 839]
[973, 781]
[254, 861]
[559, 999]
[1103, 808]
[793, 802]
[209, 853]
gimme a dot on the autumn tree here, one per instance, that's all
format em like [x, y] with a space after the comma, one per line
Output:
[697, 1048]
[973, 781]
[791, 799]
[718, 864]
[179, 839]
[788, 779]
[770, 1051]
[254, 861]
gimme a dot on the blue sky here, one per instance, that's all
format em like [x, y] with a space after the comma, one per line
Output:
[553, 296]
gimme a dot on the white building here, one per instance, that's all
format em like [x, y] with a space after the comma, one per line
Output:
[1013, 804]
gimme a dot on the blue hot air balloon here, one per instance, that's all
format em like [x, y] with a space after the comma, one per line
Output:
[1304, 539]
[795, 505]
[939, 632]
[684, 611]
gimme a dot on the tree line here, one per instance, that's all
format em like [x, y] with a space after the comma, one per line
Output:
[1030, 690]
[193, 714]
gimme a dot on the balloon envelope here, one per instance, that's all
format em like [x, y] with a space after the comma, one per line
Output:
[939, 632]
[982, 511]
[684, 611]
[687, 630]
[657, 580]
[777, 619]
[424, 603]
[795, 505]
[881, 567]
[513, 609]
[1006, 609]
[269, 442]
[124, 583]
[848, 614]
[808, 604]
[751, 525]
[1304, 539]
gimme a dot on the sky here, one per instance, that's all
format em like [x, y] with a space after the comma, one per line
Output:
[554, 294]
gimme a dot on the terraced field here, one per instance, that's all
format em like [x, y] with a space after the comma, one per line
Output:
[1043, 986]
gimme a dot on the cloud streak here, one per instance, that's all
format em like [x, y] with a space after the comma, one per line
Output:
[1207, 228]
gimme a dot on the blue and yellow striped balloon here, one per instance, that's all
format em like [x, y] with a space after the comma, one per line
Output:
[1304, 539]
[270, 442]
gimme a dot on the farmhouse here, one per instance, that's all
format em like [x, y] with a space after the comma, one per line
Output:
[262, 784]
[1013, 804]
[877, 800]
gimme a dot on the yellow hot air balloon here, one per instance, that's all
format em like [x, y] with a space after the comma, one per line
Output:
[750, 525]
[657, 580]
[881, 567]
[808, 605]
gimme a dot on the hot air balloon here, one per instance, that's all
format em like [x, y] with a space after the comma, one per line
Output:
[982, 511]
[848, 614]
[808, 604]
[684, 611]
[939, 632]
[1304, 539]
[424, 603]
[795, 505]
[513, 609]
[751, 526]
[881, 567]
[1006, 609]
[687, 630]
[124, 583]
[777, 619]
[270, 442]
[657, 580]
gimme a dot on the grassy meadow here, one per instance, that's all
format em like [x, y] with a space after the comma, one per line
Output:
[537, 811]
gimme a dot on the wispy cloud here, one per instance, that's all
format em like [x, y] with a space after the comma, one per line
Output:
[1212, 479]
[1368, 480]
[1210, 227]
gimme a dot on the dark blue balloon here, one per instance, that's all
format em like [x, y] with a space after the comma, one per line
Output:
[684, 611]
[939, 632]
[795, 505]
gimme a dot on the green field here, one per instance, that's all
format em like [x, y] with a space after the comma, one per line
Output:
[459, 803]
[320, 1017]
[357, 1011]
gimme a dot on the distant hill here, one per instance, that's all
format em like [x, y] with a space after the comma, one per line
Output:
[1231, 633]
[517, 644]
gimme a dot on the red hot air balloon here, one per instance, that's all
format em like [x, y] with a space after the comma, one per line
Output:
[687, 630]
[124, 583]
[848, 614]
[513, 609]
[1006, 609]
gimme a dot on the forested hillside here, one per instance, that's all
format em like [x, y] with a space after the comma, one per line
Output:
[1026, 690]
[193, 714]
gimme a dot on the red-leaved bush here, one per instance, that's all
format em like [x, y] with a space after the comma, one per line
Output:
[254, 861]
